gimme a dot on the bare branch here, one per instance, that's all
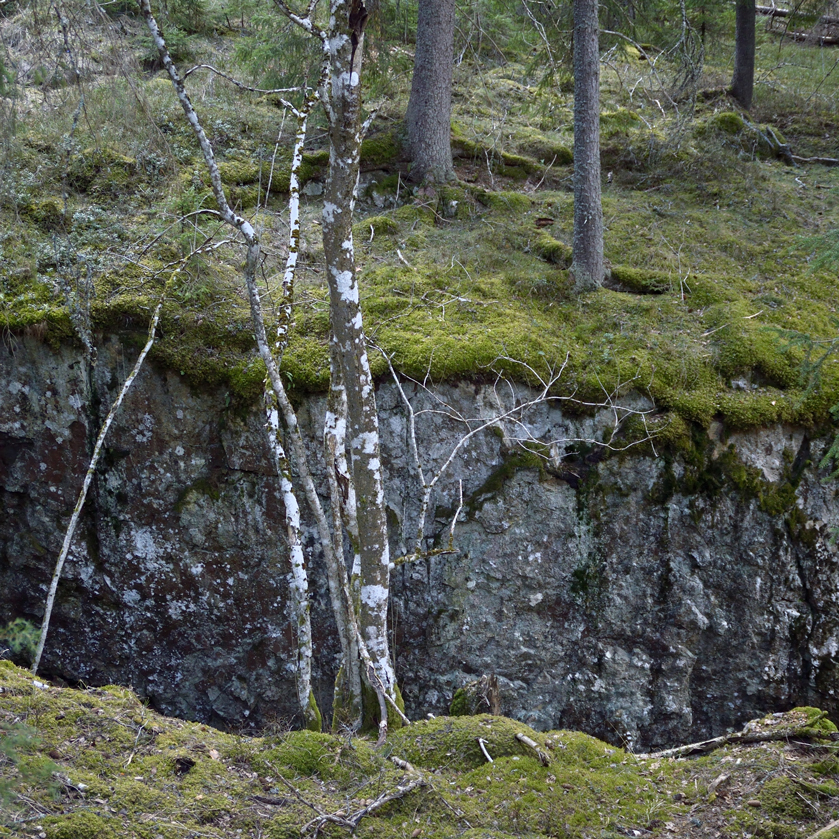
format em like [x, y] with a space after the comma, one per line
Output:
[240, 85]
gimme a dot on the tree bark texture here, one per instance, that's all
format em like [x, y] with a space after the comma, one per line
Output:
[587, 258]
[362, 423]
[429, 115]
[743, 79]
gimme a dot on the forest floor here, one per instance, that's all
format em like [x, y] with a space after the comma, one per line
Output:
[719, 281]
[96, 763]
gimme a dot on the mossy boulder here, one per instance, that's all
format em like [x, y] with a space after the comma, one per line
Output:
[46, 213]
[379, 149]
[452, 742]
[504, 201]
[380, 225]
[729, 122]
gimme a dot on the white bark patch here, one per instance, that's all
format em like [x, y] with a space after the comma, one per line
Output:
[334, 44]
[366, 442]
[373, 596]
[329, 210]
[345, 284]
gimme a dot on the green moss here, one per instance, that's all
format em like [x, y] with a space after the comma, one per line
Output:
[553, 250]
[728, 122]
[548, 151]
[381, 225]
[415, 213]
[782, 797]
[201, 487]
[618, 121]
[47, 213]
[84, 825]
[97, 165]
[316, 159]
[460, 704]
[504, 202]
[300, 752]
[640, 280]
[452, 742]
[517, 166]
[314, 721]
[186, 778]
[494, 483]
[380, 148]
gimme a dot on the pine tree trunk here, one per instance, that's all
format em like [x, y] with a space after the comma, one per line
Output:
[743, 79]
[429, 114]
[587, 259]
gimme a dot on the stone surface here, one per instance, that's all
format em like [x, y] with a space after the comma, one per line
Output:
[603, 594]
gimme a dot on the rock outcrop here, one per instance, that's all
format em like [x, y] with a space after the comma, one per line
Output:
[644, 599]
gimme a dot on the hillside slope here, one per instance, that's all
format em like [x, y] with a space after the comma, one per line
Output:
[97, 763]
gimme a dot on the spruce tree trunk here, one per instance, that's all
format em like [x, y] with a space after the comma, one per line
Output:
[429, 114]
[743, 79]
[587, 258]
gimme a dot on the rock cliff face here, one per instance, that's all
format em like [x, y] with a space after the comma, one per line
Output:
[643, 599]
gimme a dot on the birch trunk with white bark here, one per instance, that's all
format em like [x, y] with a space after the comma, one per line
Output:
[277, 401]
[344, 50]
[91, 471]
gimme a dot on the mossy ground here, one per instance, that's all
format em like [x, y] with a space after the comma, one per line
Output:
[703, 236]
[97, 763]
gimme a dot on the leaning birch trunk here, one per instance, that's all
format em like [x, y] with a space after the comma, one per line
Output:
[345, 131]
[299, 577]
[88, 479]
[309, 708]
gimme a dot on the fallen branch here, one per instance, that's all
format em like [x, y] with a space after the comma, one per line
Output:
[403, 764]
[772, 11]
[351, 820]
[274, 802]
[821, 161]
[483, 744]
[826, 831]
[543, 757]
[740, 738]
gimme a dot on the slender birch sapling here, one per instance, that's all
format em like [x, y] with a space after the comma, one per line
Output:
[277, 401]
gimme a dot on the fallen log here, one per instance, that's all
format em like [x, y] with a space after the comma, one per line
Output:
[774, 11]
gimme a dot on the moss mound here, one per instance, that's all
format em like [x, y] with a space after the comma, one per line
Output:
[453, 741]
[98, 763]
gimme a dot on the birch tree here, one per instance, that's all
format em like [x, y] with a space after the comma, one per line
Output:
[351, 440]
[366, 690]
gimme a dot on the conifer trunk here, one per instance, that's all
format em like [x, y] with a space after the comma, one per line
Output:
[429, 115]
[743, 78]
[587, 258]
